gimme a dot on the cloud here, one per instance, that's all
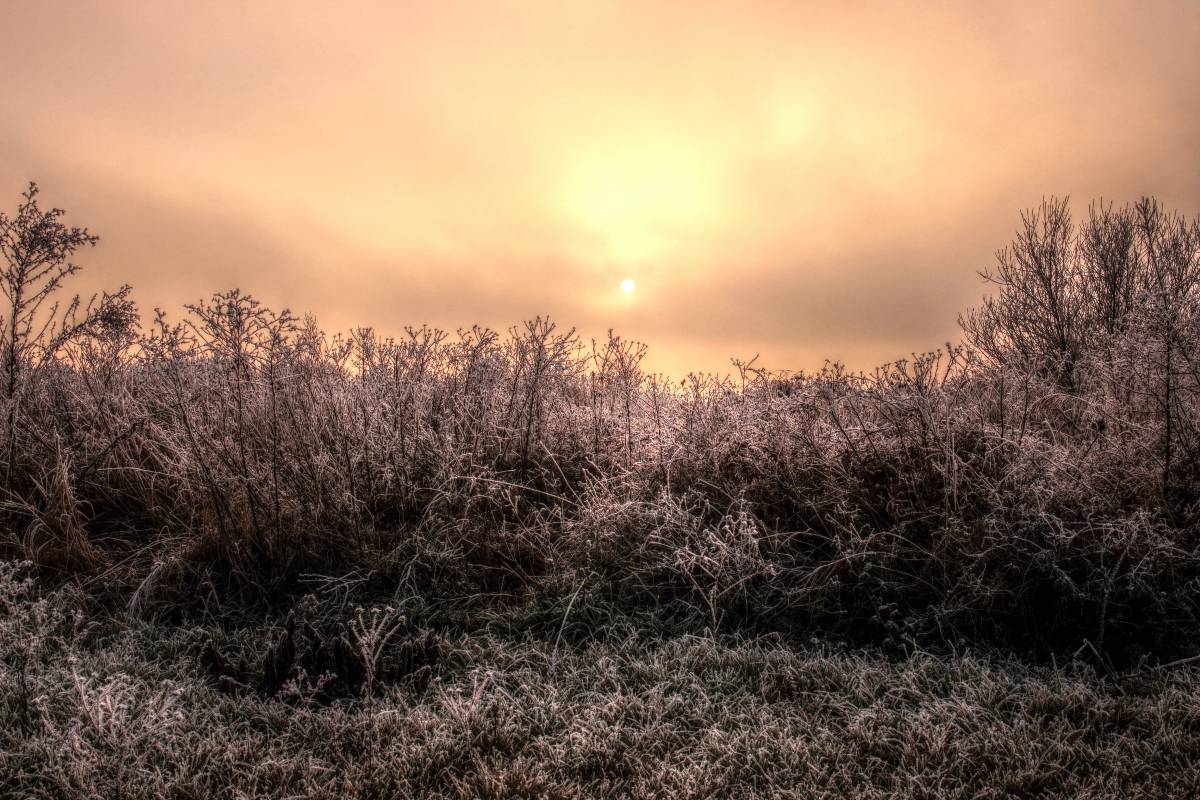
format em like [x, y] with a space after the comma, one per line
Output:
[800, 180]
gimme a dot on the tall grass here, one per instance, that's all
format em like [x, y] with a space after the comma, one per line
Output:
[998, 491]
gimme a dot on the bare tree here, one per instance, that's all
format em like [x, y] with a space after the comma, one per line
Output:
[1120, 294]
[37, 247]
[1110, 266]
[1037, 313]
[1170, 246]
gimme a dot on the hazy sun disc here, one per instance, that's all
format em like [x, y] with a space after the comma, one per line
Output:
[628, 285]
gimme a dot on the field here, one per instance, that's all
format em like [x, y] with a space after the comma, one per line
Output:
[247, 558]
[618, 712]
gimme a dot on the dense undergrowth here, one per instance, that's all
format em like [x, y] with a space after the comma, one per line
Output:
[1033, 488]
[241, 557]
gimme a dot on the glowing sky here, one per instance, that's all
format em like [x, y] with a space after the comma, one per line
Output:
[800, 180]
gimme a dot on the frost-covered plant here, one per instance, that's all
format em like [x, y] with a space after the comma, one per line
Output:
[34, 632]
[101, 733]
[372, 630]
[719, 560]
[238, 448]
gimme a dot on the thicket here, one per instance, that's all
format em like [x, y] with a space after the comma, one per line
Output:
[1034, 486]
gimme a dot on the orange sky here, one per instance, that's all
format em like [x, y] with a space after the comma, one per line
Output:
[797, 180]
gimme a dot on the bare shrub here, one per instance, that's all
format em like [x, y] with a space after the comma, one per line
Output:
[959, 492]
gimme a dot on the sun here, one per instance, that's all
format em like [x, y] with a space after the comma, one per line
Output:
[628, 285]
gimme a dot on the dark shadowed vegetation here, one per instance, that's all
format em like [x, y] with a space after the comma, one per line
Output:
[584, 579]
